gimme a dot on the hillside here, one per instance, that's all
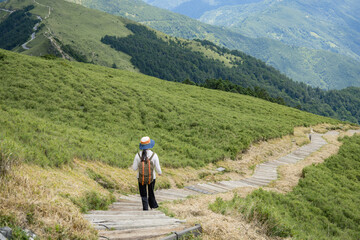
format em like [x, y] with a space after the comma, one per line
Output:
[57, 32]
[318, 68]
[197, 61]
[326, 24]
[83, 118]
[99, 113]
[175, 60]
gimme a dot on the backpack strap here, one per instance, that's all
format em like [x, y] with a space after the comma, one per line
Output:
[152, 156]
[150, 167]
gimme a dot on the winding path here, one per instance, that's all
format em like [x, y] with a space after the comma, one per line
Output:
[126, 220]
[33, 34]
[24, 46]
[7, 10]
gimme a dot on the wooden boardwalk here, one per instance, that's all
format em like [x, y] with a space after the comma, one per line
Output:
[126, 220]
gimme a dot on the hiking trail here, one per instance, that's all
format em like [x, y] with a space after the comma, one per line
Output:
[125, 219]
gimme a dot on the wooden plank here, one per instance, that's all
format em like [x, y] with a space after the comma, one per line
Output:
[213, 188]
[209, 190]
[137, 224]
[197, 189]
[220, 186]
[143, 233]
[96, 218]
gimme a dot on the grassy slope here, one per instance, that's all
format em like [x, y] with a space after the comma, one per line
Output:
[324, 205]
[315, 67]
[67, 13]
[56, 110]
[79, 27]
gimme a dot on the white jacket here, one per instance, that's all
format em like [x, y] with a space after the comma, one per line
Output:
[155, 160]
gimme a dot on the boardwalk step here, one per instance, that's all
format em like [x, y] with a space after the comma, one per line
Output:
[138, 212]
[143, 233]
[213, 187]
[220, 186]
[99, 218]
[135, 224]
[197, 189]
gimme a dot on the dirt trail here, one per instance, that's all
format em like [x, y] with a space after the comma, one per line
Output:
[6, 10]
[48, 34]
[125, 217]
[24, 46]
[33, 36]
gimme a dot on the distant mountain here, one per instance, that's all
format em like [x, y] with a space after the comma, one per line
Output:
[196, 8]
[324, 24]
[315, 67]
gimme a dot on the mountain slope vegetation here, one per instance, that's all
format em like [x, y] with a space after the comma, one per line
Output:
[54, 111]
[167, 59]
[318, 68]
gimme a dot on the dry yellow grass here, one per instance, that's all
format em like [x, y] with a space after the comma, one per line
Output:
[41, 209]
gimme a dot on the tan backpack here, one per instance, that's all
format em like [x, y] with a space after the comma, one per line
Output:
[146, 170]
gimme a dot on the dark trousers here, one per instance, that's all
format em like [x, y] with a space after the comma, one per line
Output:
[148, 200]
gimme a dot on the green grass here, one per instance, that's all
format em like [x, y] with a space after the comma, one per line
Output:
[324, 205]
[9, 221]
[92, 201]
[55, 110]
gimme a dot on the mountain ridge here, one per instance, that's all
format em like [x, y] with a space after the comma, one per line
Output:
[325, 24]
[315, 67]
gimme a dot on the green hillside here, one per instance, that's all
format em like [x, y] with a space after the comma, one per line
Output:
[318, 68]
[176, 60]
[77, 28]
[54, 110]
[324, 24]
[16, 28]
[324, 205]
[158, 55]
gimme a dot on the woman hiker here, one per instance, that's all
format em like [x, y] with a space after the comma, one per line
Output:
[146, 162]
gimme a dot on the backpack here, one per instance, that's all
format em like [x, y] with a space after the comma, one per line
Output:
[146, 170]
